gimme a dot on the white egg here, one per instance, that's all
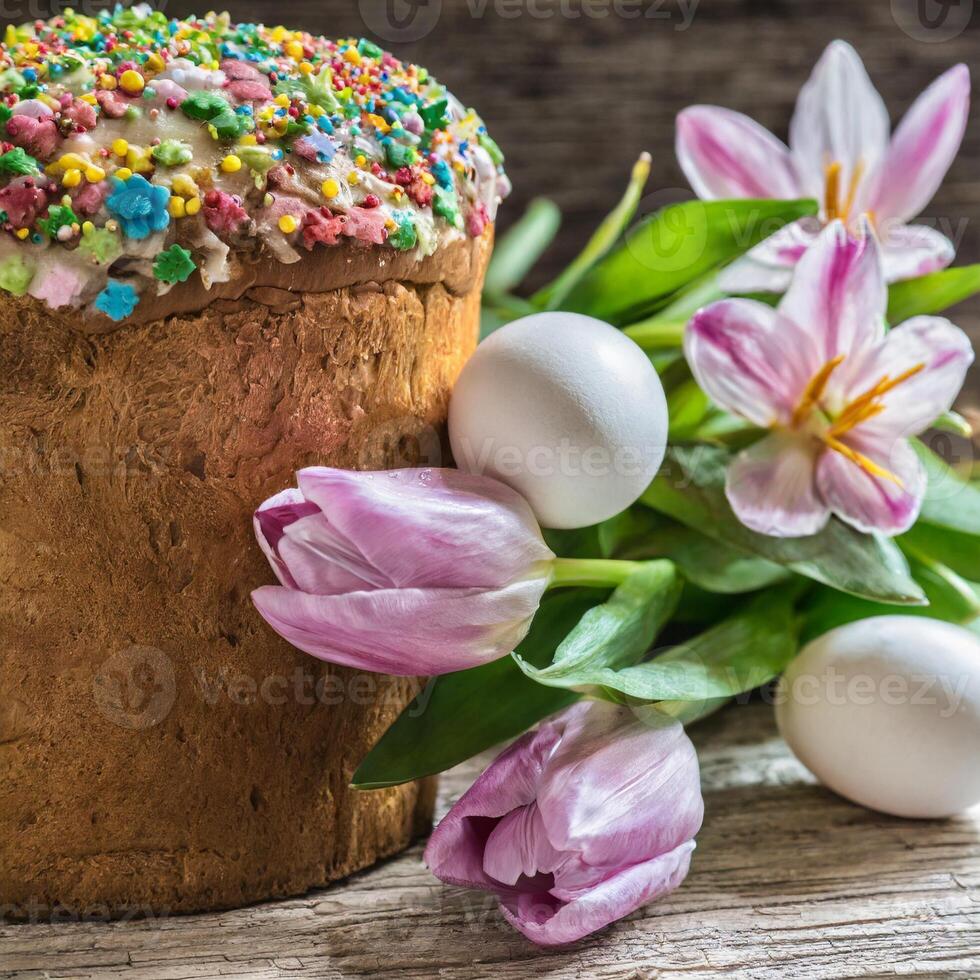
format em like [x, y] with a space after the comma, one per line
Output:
[565, 409]
[886, 711]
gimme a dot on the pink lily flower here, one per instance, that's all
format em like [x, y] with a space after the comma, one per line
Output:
[412, 572]
[839, 394]
[840, 154]
[576, 824]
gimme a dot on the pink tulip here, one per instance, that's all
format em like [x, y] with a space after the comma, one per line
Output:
[578, 823]
[839, 394]
[413, 572]
[839, 153]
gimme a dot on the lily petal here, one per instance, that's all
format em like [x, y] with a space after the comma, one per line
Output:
[944, 353]
[839, 118]
[771, 488]
[909, 251]
[746, 357]
[549, 922]
[923, 147]
[725, 154]
[430, 527]
[868, 502]
[768, 268]
[409, 632]
[839, 293]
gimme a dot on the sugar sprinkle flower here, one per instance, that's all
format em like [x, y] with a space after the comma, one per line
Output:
[839, 394]
[140, 206]
[117, 300]
[578, 823]
[173, 265]
[840, 154]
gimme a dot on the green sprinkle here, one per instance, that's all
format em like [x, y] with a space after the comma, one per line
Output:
[204, 105]
[173, 265]
[256, 158]
[172, 153]
[58, 216]
[405, 236]
[399, 155]
[444, 205]
[369, 50]
[16, 161]
[101, 245]
[15, 275]
[491, 147]
[434, 116]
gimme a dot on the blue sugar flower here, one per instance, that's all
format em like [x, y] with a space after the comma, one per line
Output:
[140, 206]
[117, 300]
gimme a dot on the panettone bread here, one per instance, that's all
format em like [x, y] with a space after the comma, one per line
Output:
[281, 267]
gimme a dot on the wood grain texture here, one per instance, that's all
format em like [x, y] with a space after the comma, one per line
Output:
[788, 881]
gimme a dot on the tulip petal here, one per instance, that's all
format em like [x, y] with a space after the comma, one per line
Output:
[270, 522]
[909, 251]
[323, 561]
[431, 527]
[518, 846]
[839, 118]
[749, 359]
[839, 293]
[455, 852]
[547, 921]
[868, 502]
[945, 353]
[770, 486]
[725, 154]
[923, 147]
[620, 790]
[768, 268]
[404, 631]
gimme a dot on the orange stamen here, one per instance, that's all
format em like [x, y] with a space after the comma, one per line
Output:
[868, 404]
[814, 390]
[831, 193]
[868, 465]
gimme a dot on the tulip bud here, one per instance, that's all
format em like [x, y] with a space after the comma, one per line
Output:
[412, 572]
[578, 823]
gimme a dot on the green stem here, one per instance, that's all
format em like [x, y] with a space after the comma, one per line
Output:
[591, 571]
[656, 334]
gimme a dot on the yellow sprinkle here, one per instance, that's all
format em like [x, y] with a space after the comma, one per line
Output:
[279, 34]
[120, 147]
[107, 82]
[306, 68]
[182, 184]
[94, 174]
[287, 224]
[330, 187]
[22, 233]
[72, 178]
[248, 140]
[155, 62]
[360, 159]
[294, 49]
[353, 56]
[231, 164]
[90, 99]
[378, 123]
[124, 173]
[353, 177]
[87, 227]
[193, 206]
[177, 207]
[428, 179]
[131, 82]
[281, 100]
[66, 200]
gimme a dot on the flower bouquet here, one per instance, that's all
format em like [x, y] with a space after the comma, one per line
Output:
[790, 314]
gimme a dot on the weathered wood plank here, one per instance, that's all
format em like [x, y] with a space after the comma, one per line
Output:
[788, 880]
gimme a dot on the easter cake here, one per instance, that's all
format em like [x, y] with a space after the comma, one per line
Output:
[227, 251]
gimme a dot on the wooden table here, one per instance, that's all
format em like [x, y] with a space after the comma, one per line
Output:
[788, 881]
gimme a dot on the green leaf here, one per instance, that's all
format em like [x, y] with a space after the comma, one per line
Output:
[610, 229]
[687, 406]
[950, 599]
[690, 488]
[745, 650]
[516, 251]
[932, 293]
[459, 715]
[617, 633]
[640, 534]
[671, 249]
[666, 327]
[955, 423]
